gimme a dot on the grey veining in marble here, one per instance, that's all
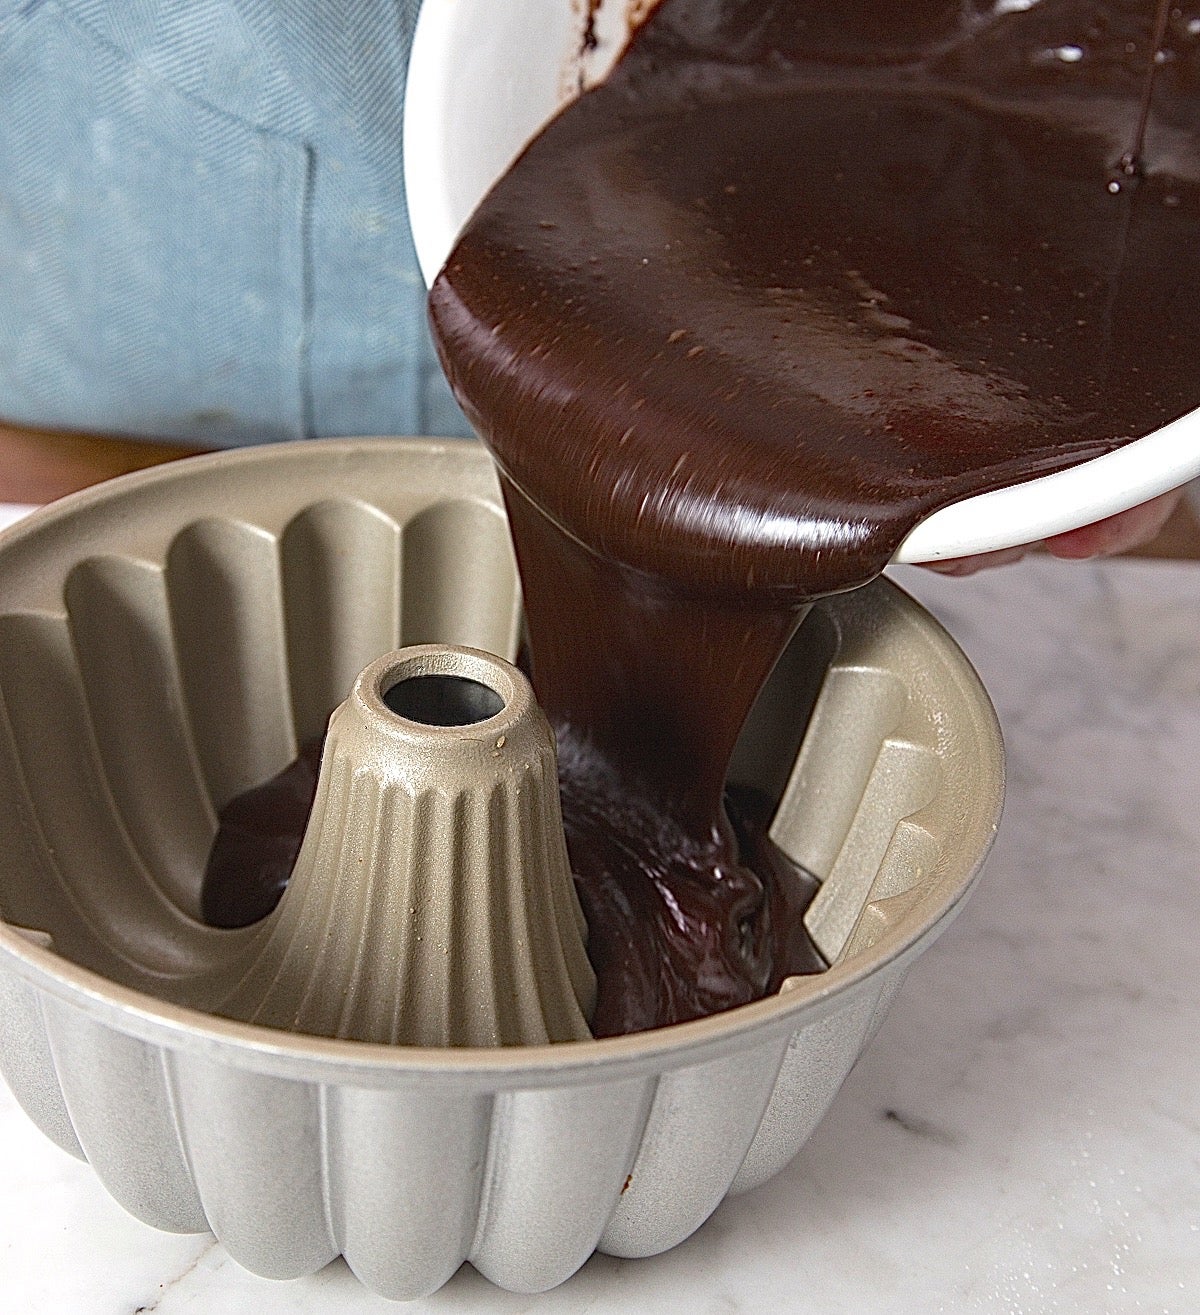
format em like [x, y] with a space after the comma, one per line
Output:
[1023, 1137]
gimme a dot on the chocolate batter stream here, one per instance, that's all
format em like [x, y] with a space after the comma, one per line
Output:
[794, 277]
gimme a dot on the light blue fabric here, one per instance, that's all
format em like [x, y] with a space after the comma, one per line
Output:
[203, 232]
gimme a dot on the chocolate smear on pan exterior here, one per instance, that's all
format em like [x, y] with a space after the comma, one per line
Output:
[795, 276]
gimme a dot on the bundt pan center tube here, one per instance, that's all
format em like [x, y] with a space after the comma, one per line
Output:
[431, 902]
[169, 640]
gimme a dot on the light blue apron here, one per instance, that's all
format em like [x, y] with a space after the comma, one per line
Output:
[203, 231]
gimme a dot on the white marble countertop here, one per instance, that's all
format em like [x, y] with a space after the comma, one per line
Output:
[1022, 1138]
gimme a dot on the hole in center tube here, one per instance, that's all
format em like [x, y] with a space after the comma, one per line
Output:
[443, 700]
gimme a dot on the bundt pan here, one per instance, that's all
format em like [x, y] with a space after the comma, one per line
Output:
[167, 640]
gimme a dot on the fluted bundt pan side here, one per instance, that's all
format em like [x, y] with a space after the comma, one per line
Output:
[168, 640]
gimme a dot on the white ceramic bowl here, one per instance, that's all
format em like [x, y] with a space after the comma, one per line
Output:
[484, 78]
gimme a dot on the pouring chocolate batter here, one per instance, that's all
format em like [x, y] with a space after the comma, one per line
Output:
[792, 278]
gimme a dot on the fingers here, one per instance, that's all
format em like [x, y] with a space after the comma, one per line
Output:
[1130, 529]
[1117, 534]
[980, 561]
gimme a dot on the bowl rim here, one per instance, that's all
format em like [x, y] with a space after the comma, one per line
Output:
[1023, 513]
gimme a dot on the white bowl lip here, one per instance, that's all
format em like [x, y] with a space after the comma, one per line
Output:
[303, 1056]
[1053, 504]
[431, 220]
[1023, 513]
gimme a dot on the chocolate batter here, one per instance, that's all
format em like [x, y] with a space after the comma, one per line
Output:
[257, 842]
[794, 277]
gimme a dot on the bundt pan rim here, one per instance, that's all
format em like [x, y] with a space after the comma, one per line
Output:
[310, 1058]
